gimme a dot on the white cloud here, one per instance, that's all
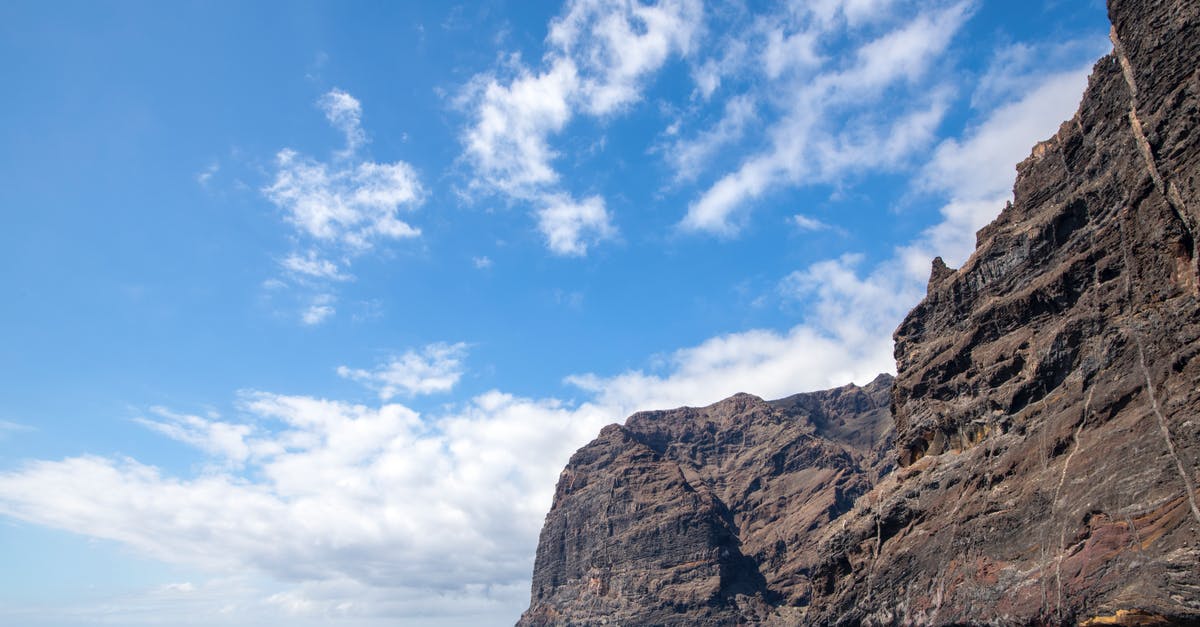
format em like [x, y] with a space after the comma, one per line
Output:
[436, 368]
[976, 172]
[854, 12]
[1014, 67]
[320, 309]
[312, 265]
[806, 223]
[600, 52]
[691, 157]
[244, 601]
[830, 125]
[222, 439]
[785, 52]
[344, 112]
[710, 73]
[352, 206]
[570, 226]
[209, 171]
[509, 141]
[7, 428]
[341, 208]
[617, 44]
[483, 262]
[363, 510]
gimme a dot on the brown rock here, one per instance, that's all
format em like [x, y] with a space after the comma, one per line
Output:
[1046, 407]
[705, 516]
[1046, 400]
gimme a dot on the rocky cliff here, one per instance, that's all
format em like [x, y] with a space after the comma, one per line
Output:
[706, 516]
[1046, 419]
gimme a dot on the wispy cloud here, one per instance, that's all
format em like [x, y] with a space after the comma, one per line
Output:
[691, 157]
[8, 428]
[312, 265]
[806, 223]
[344, 112]
[829, 125]
[320, 308]
[209, 171]
[224, 440]
[435, 368]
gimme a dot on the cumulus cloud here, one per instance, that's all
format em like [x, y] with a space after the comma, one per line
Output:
[363, 510]
[599, 55]
[617, 44]
[509, 141]
[352, 206]
[251, 601]
[435, 368]
[343, 207]
[569, 226]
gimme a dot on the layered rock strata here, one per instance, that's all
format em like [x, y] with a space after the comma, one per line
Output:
[1046, 419]
[706, 516]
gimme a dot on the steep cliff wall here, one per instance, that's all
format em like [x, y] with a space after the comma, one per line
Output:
[1047, 419]
[1046, 404]
[706, 516]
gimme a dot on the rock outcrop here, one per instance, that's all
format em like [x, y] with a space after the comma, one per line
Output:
[1046, 419]
[706, 516]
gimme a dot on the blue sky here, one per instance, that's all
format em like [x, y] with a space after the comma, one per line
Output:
[308, 303]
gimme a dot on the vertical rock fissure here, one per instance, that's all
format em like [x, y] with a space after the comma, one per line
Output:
[1188, 486]
[1062, 537]
[1166, 188]
[1097, 310]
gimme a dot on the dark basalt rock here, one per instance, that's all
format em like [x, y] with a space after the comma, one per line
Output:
[1046, 419]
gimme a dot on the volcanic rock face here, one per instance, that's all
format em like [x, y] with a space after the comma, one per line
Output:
[1046, 401]
[706, 516]
[1046, 408]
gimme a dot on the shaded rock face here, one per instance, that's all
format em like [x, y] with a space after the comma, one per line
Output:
[706, 516]
[1046, 419]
